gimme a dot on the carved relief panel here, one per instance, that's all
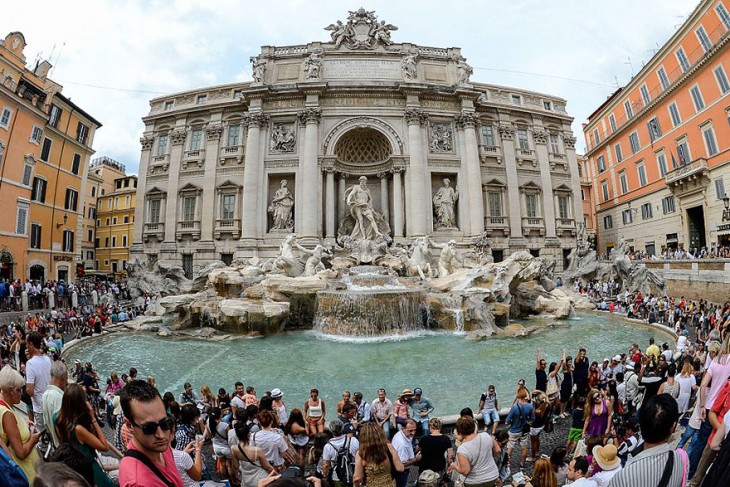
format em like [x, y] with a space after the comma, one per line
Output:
[441, 137]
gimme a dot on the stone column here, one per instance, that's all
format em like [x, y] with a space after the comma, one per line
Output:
[341, 188]
[214, 130]
[569, 143]
[397, 202]
[467, 122]
[539, 136]
[384, 195]
[419, 195]
[24, 301]
[507, 134]
[177, 138]
[330, 203]
[147, 142]
[252, 172]
[309, 174]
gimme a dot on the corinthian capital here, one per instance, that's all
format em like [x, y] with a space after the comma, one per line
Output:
[146, 142]
[257, 119]
[569, 141]
[539, 136]
[466, 119]
[415, 115]
[214, 131]
[310, 115]
[177, 136]
[507, 132]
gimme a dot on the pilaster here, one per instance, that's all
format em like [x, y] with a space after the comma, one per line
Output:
[466, 121]
[417, 173]
[309, 175]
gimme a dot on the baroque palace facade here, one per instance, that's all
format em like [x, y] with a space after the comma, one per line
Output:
[658, 149]
[227, 171]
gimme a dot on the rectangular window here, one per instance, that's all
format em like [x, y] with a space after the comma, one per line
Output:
[608, 222]
[710, 143]
[82, 132]
[107, 222]
[596, 137]
[531, 205]
[655, 130]
[624, 180]
[554, 144]
[36, 134]
[634, 142]
[76, 164]
[234, 134]
[55, 116]
[39, 190]
[488, 135]
[674, 113]
[668, 204]
[106, 242]
[601, 162]
[114, 241]
[619, 153]
[27, 173]
[723, 14]
[155, 211]
[641, 170]
[201, 99]
[169, 105]
[90, 235]
[516, 100]
[21, 219]
[126, 219]
[93, 191]
[68, 241]
[612, 122]
[563, 207]
[697, 98]
[162, 145]
[720, 188]
[682, 58]
[228, 206]
[5, 117]
[704, 38]
[721, 78]
[522, 139]
[72, 199]
[604, 188]
[661, 161]
[35, 236]
[114, 221]
[547, 105]
[646, 211]
[196, 137]
[189, 208]
[495, 203]
[629, 111]
[46, 149]
[645, 94]
[663, 79]
[683, 152]
[626, 216]
[124, 241]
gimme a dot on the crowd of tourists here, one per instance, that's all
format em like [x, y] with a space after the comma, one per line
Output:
[618, 417]
[38, 292]
[719, 252]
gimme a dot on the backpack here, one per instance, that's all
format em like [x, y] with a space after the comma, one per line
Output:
[345, 463]
[11, 473]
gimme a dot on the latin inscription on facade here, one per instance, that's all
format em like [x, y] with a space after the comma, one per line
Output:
[362, 69]
[362, 102]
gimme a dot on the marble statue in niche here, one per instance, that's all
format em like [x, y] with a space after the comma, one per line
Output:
[281, 208]
[443, 203]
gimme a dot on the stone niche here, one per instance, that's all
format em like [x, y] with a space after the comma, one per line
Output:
[274, 185]
[437, 182]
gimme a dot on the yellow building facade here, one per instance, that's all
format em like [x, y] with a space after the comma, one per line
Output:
[115, 225]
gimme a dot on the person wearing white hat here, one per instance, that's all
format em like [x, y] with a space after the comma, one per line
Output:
[607, 458]
[279, 406]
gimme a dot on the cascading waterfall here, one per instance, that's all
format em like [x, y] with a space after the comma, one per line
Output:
[373, 304]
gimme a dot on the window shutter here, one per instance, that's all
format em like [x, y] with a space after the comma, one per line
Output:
[22, 216]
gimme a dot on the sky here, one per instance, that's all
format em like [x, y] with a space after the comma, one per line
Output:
[112, 57]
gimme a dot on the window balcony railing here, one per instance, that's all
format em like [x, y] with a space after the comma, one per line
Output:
[691, 170]
[154, 229]
[226, 226]
[533, 224]
[529, 153]
[497, 224]
[160, 158]
[191, 228]
[490, 151]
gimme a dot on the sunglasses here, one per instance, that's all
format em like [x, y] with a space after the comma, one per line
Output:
[165, 424]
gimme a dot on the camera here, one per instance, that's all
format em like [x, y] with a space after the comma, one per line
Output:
[295, 472]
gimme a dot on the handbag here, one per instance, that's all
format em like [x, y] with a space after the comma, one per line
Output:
[525, 425]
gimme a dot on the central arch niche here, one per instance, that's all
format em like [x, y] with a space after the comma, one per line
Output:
[363, 150]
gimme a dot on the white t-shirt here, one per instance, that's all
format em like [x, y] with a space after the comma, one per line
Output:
[478, 453]
[272, 444]
[237, 402]
[184, 462]
[329, 453]
[38, 373]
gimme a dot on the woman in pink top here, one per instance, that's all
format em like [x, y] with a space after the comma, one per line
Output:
[719, 370]
[400, 408]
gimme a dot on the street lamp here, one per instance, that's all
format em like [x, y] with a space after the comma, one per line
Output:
[65, 219]
[726, 212]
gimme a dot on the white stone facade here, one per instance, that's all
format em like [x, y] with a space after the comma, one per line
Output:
[322, 115]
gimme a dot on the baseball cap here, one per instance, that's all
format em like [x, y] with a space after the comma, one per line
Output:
[417, 391]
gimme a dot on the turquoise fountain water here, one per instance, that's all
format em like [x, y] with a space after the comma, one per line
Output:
[452, 370]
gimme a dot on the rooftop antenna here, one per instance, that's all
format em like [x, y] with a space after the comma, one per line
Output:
[630, 65]
[683, 17]
[654, 51]
[60, 51]
[615, 80]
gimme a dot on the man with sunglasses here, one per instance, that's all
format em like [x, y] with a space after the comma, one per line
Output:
[149, 460]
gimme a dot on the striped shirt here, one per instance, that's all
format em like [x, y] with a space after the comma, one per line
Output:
[647, 468]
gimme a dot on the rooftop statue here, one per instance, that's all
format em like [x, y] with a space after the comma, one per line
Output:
[362, 31]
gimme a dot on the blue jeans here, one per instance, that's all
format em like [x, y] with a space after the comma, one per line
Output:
[697, 446]
[401, 479]
[386, 429]
[690, 433]
[424, 426]
[490, 416]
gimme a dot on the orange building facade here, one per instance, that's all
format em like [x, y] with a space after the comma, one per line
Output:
[45, 149]
[657, 149]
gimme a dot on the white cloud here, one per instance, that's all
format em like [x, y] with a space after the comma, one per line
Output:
[116, 56]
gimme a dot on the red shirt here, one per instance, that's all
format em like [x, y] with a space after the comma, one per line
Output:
[133, 473]
[721, 406]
